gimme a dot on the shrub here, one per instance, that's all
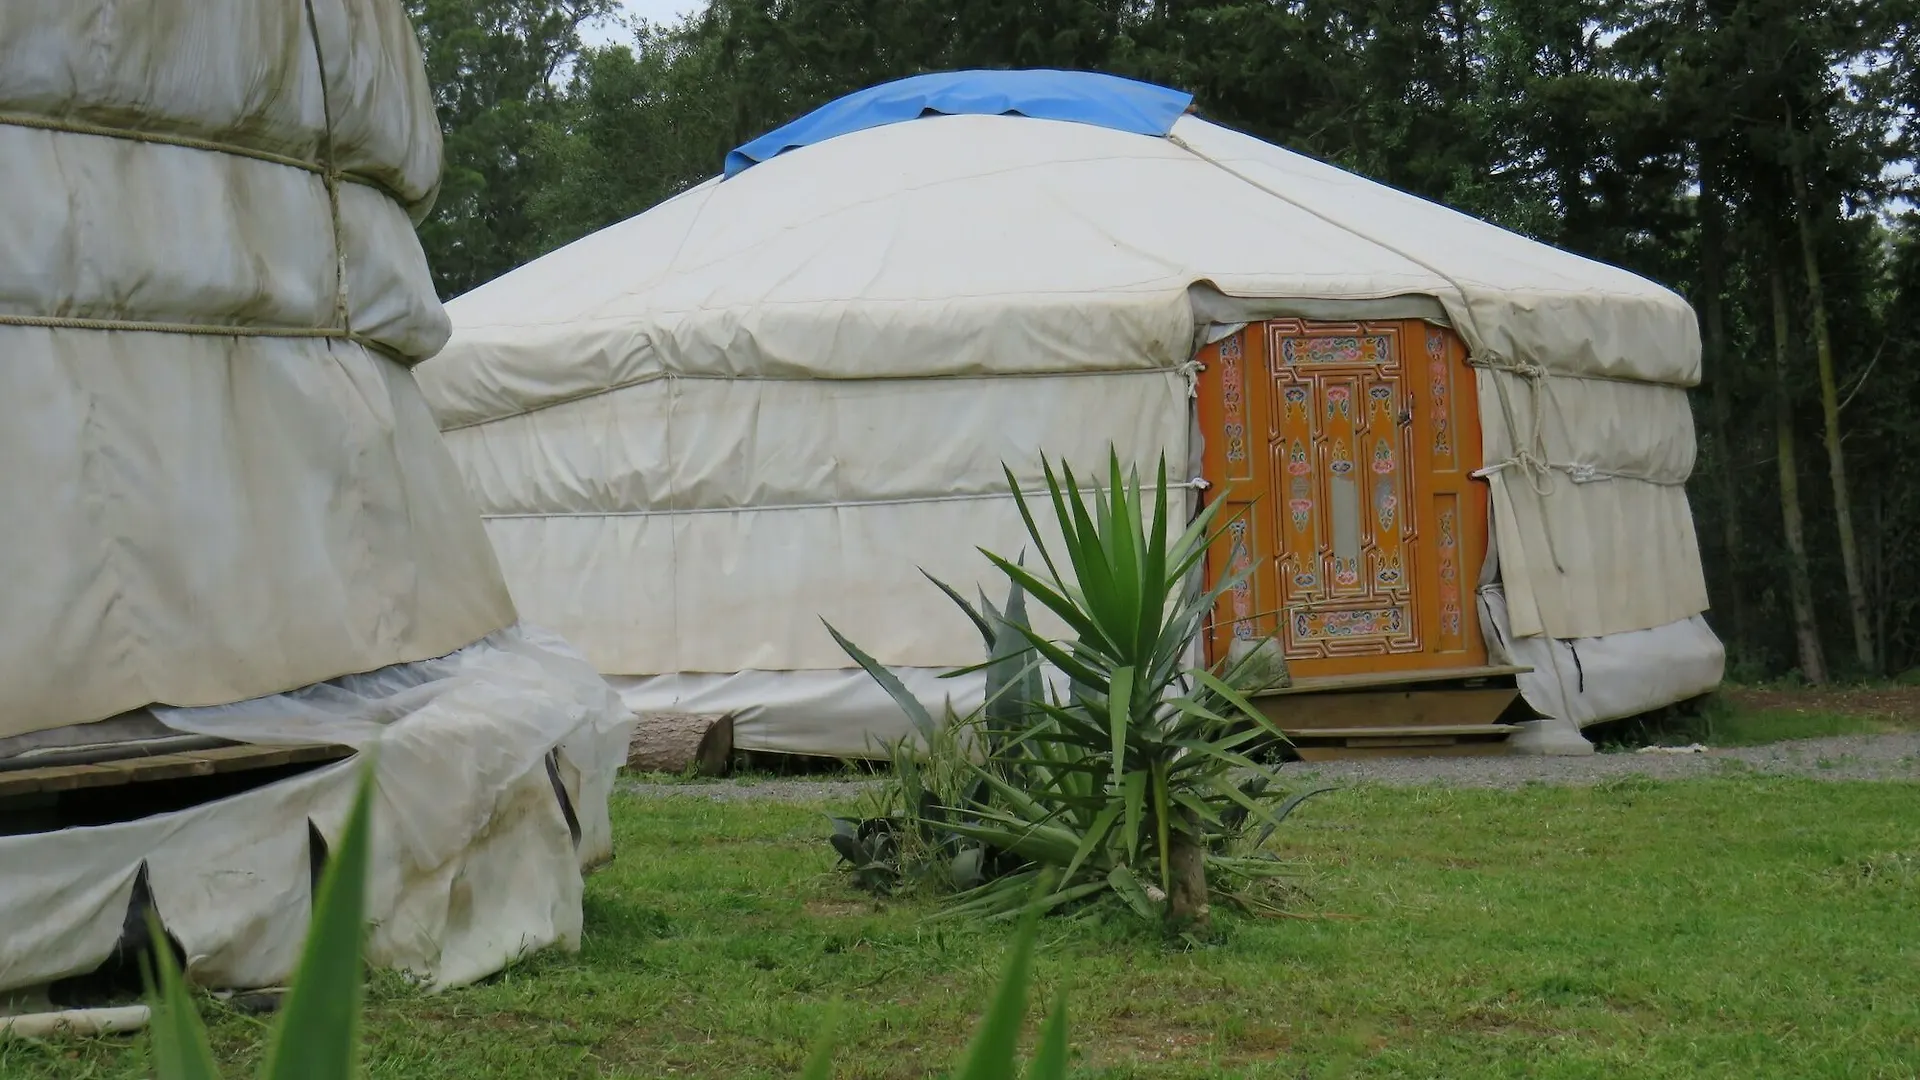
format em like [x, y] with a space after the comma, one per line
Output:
[1136, 783]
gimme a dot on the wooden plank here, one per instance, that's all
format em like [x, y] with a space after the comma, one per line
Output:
[1374, 680]
[53, 778]
[1396, 710]
[1404, 741]
[148, 768]
[162, 767]
[1487, 748]
[304, 754]
[226, 759]
[1426, 732]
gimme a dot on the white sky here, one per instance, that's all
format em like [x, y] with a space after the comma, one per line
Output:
[655, 11]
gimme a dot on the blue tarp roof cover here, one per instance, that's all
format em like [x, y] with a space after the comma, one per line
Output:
[1083, 97]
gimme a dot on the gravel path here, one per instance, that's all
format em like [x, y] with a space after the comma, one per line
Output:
[797, 789]
[1848, 757]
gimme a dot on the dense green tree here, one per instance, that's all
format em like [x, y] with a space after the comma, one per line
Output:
[641, 124]
[494, 65]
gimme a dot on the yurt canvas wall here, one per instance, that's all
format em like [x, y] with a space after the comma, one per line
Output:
[777, 397]
[228, 510]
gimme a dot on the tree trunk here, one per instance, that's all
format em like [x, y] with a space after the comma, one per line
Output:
[1882, 595]
[677, 742]
[1806, 629]
[1187, 906]
[1713, 347]
[1857, 604]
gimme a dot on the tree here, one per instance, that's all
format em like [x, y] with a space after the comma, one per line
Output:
[1806, 626]
[637, 125]
[493, 65]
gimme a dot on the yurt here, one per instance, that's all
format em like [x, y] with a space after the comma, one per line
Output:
[778, 397]
[236, 553]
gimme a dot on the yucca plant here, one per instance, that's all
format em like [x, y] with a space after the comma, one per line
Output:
[1137, 782]
[318, 1034]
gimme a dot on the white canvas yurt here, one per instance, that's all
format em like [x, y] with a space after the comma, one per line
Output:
[235, 551]
[776, 398]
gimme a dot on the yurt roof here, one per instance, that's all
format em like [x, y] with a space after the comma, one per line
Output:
[1082, 97]
[1021, 222]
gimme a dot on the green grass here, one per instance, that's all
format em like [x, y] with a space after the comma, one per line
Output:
[1723, 726]
[1756, 728]
[1730, 720]
[1737, 927]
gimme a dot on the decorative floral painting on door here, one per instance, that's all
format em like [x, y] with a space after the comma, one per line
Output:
[1346, 452]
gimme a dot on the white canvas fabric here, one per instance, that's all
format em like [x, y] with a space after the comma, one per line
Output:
[784, 503]
[474, 860]
[1578, 682]
[830, 712]
[199, 518]
[700, 431]
[221, 485]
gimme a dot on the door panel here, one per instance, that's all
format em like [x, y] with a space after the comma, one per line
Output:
[1234, 410]
[1347, 449]
[1347, 440]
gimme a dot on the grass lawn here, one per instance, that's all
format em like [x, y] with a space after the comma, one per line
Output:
[1756, 715]
[1733, 927]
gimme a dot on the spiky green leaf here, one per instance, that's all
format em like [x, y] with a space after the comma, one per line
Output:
[1129, 889]
[318, 1037]
[180, 1048]
[991, 1056]
[1051, 1062]
[916, 713]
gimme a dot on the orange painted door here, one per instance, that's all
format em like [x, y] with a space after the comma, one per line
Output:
[1345, 452]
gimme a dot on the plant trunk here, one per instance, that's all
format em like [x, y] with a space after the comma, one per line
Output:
[1719, 379]
[1806, 629]
[1187, 905]
[1830, 411]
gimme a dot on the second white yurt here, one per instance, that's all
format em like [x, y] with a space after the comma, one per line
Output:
[778, 397]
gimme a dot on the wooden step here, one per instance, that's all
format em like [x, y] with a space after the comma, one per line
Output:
[1446, 712]
[1476, 748]
[1306, 715]
[1381, 680]
[1432, 731]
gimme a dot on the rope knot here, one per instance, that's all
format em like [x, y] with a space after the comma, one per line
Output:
[1190, 371]
[1538, 469]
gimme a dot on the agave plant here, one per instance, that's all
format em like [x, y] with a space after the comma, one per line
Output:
[318, 1034]
[904, 840]
[1137, 781]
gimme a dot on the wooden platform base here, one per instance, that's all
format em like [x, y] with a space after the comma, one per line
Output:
[178, 766]
[1449, 713]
